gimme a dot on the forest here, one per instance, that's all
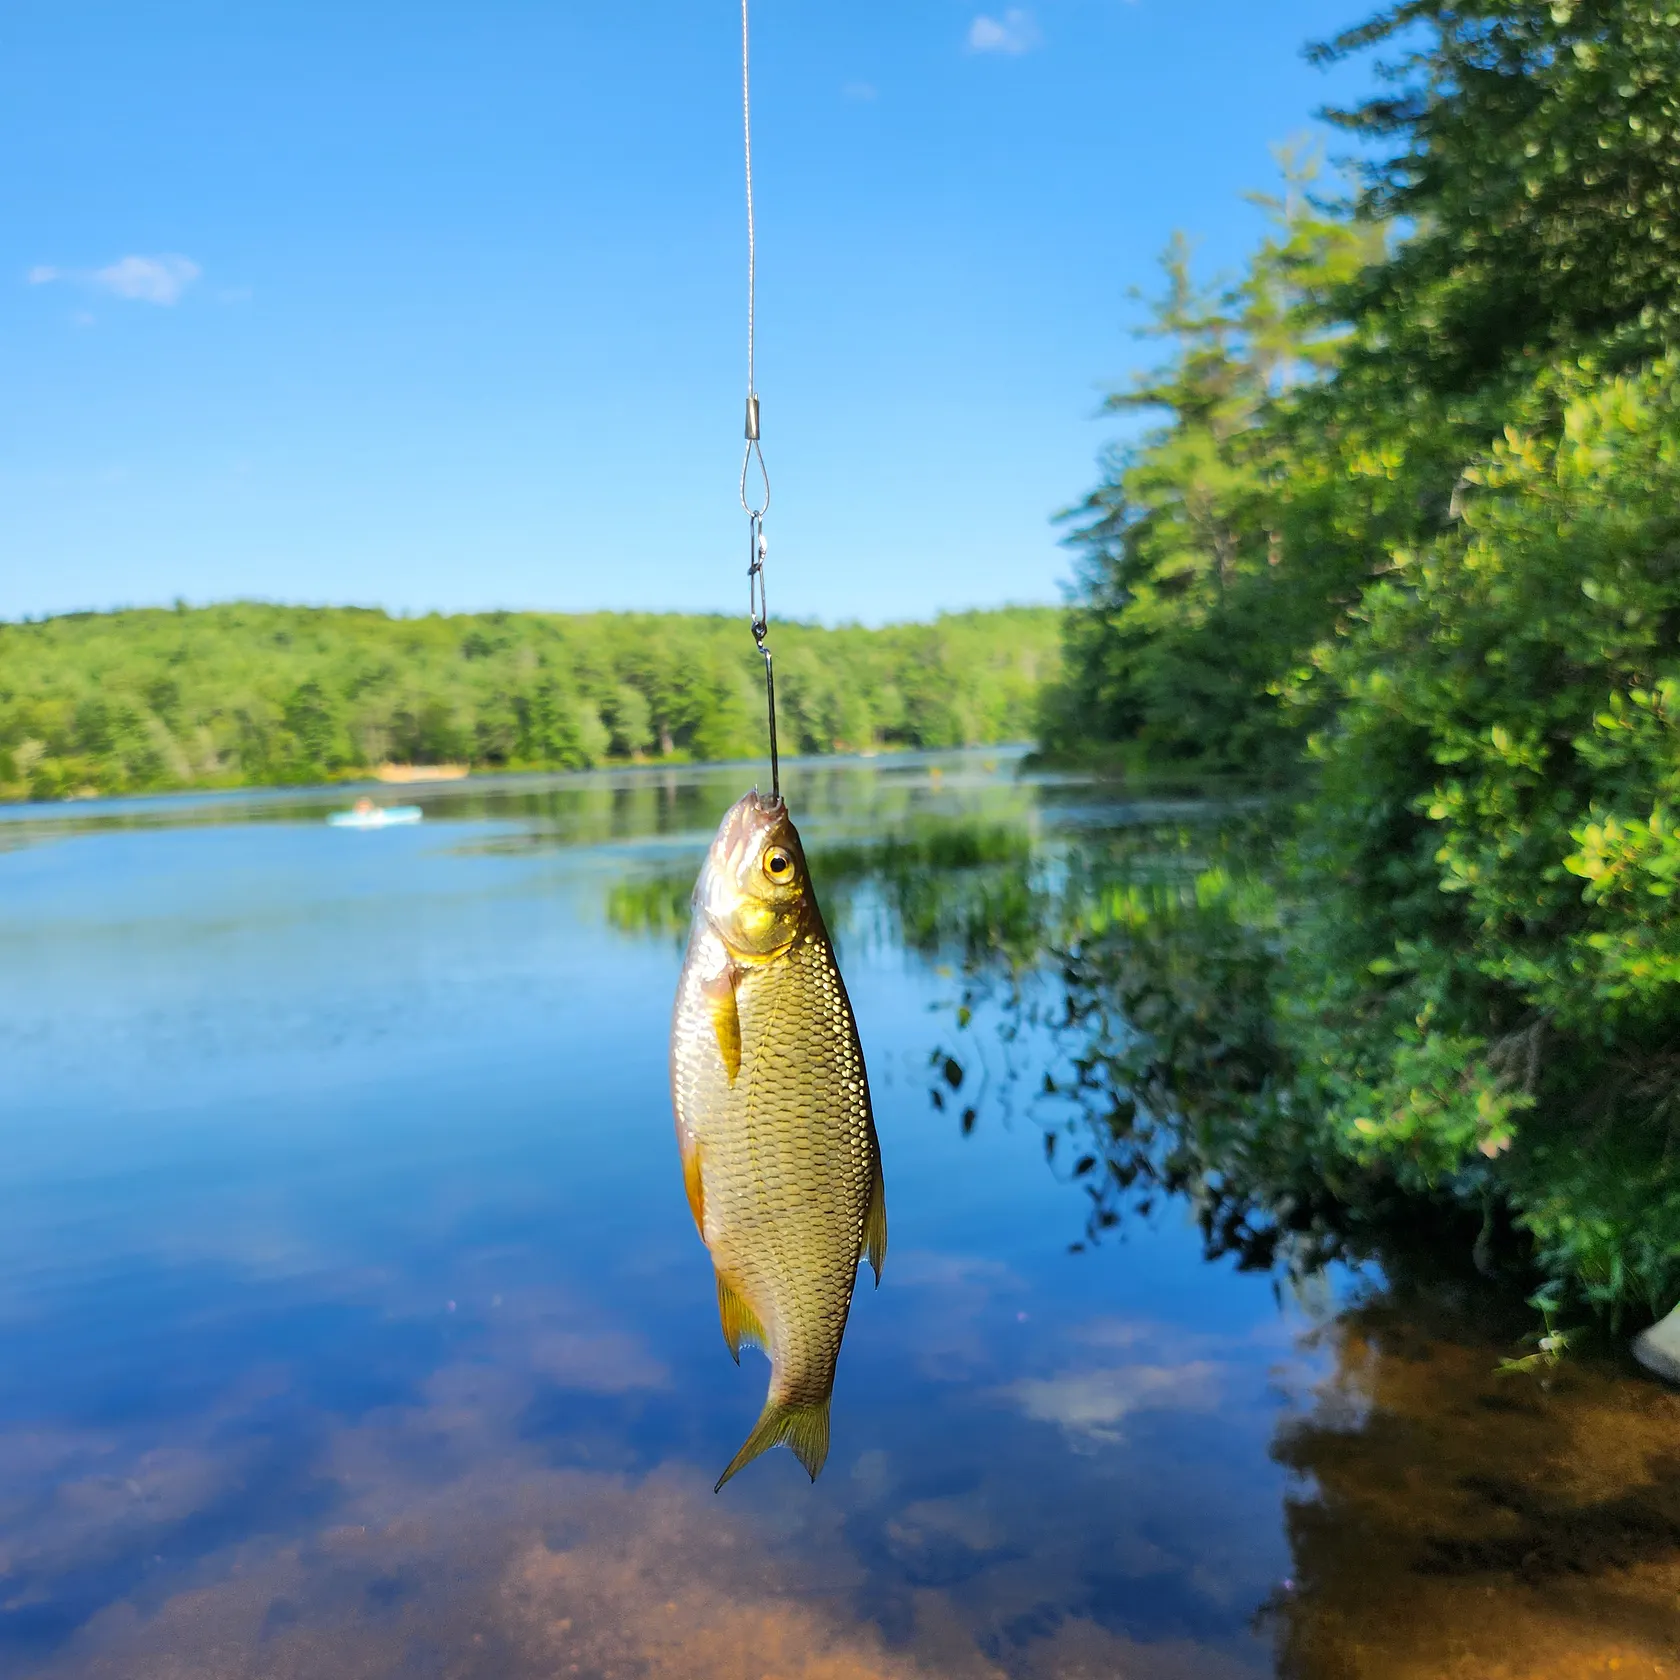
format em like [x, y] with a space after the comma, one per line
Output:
[1401, 531]
[247, 693]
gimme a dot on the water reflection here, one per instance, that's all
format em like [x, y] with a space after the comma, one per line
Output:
[354, 1325]
[1109, 994]
[1455, 1522]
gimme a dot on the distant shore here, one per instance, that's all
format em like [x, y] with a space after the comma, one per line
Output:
[248, 694]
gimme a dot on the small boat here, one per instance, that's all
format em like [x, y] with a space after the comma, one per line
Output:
[365, 814]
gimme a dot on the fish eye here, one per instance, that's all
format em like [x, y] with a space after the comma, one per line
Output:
[778, 865]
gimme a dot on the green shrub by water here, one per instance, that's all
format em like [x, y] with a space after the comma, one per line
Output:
[1408, 532]
[1498, 838]
[247, 693]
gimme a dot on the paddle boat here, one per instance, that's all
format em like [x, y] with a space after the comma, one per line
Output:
[365, 814]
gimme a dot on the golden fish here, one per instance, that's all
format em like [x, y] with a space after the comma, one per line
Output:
[779, 1152]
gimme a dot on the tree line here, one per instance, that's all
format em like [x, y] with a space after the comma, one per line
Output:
[248, 693]
[1406, 517]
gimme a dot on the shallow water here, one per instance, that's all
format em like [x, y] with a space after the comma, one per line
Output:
[354, 1322]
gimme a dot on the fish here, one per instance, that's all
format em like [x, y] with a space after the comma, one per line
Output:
[780, 1158]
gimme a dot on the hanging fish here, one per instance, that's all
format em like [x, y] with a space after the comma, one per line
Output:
[779, 1153]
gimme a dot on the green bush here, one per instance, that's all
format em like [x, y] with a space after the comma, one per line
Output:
[1490, 975]
[1478, 956]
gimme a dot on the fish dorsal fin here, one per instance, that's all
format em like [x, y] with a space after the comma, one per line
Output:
[875, 1220]
[741, 1325]
[726, 1018]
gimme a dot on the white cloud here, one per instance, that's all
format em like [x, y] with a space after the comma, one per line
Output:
[605, 1363]
[159, 280]
[1090, 1406]
[864, 93]
[1016, 32]
[147, 279]
[925, 1268]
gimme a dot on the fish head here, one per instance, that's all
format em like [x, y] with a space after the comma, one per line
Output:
[755, 889]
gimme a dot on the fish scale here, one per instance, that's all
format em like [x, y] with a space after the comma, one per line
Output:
[779, 1149]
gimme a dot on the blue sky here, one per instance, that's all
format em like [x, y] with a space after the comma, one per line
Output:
[442, 306]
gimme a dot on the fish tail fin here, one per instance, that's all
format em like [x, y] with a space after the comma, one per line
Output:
[804, 1428]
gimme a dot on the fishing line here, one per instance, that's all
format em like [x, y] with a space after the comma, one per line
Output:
[757, 604]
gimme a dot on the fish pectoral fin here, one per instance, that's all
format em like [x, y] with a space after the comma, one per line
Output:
[804, 1428]
[741, 1325]
[875, 1222]
[726, 1018]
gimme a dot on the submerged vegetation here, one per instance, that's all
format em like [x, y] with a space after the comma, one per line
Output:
[1407, 523]
[247, 693]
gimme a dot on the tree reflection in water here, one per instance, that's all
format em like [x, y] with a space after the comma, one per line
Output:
[1121, 1001]
[1453, 1522]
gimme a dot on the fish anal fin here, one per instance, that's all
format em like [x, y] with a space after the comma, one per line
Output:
[741, 1325]
[695, 1186]
[875, 1221]
[726, 1018]
[804, 1428]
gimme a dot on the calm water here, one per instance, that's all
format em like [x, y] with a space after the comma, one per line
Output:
[354, 1322]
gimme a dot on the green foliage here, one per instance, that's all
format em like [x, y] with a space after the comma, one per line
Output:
[1474, 614]
[1536, 148]
[1203, 549]
[1495, 953]
[249, 693]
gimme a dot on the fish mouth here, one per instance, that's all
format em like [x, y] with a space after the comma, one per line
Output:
[766, 804]
[752, 817]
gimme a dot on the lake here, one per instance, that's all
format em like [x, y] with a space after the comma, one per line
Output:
[355, 1323]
